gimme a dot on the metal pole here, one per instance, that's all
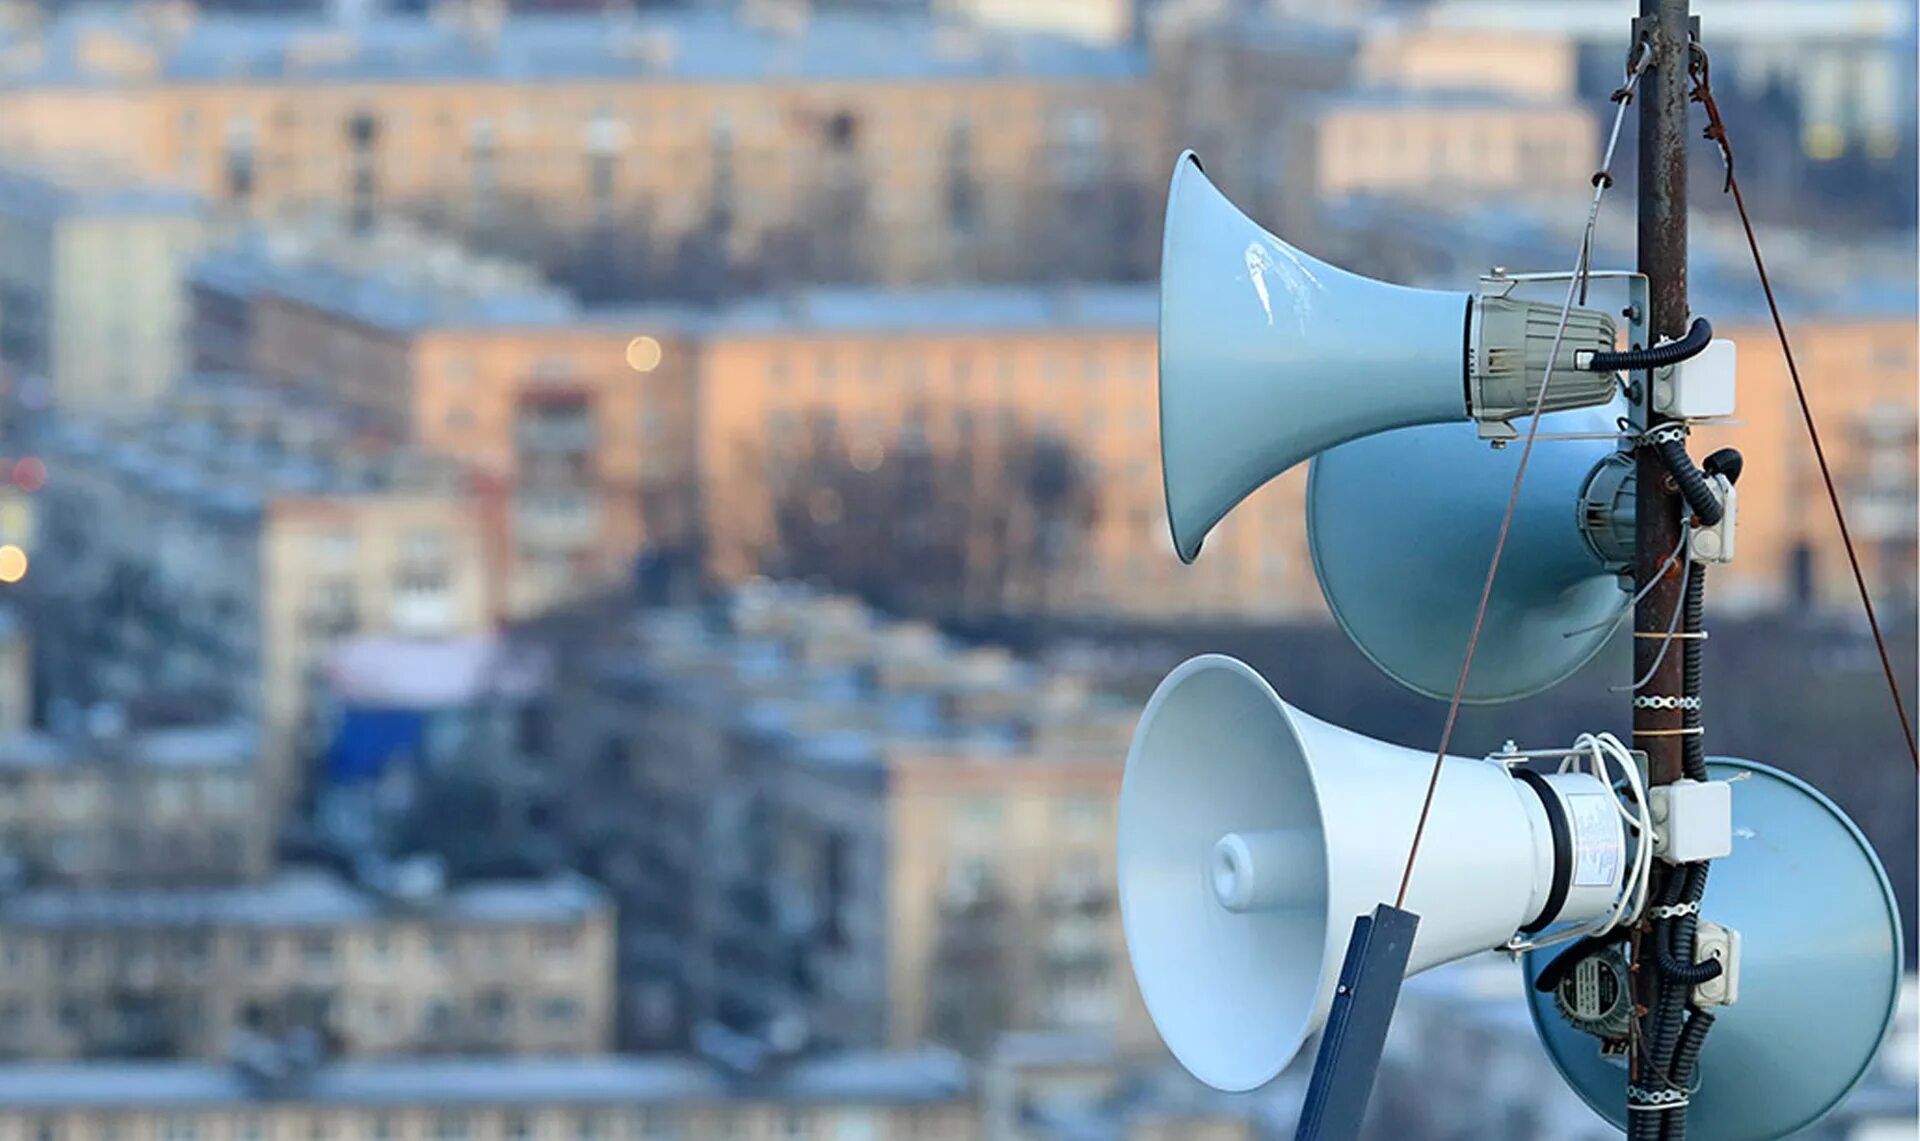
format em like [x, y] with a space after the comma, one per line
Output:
[1663, 259]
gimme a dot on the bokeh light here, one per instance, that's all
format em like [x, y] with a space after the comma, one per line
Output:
[30, 474]
[13, 563]
[643, 354]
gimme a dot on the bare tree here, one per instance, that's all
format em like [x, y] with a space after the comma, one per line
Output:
[991, 523]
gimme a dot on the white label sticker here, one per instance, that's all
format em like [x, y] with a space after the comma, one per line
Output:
[1596, 840]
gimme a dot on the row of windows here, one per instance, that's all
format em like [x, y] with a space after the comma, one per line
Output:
[642, 1123]
[876, 367]
[313, 949]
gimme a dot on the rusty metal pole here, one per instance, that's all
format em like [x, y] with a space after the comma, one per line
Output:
[1658, 506]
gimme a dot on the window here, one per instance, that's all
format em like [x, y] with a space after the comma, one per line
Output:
[450, 1127]
[317, 1128]
[795, 1125]
[440, 945]
[439, 1018]
[251, 1128]
[256, 951]
[381, 1128]
[1083, 814]
[179, 1129]
[517, 1127]
[559, 1012]
[586, 1126]
[316, 949]
[380, 945]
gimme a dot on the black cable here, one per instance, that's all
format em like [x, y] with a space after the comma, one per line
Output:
[1686, 1057]
[1692, 482]
[1693, 749]
[1699, 336]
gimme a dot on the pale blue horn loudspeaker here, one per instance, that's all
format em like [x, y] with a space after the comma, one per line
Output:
[1819, 976]
[1269, 356]
[1402, 527]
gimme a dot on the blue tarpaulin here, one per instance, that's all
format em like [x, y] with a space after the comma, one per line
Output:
[368, 740]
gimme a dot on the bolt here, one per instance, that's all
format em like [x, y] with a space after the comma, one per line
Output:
[1668, 484]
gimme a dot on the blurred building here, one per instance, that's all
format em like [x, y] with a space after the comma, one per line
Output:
[90, 299]
[160, 807]
[16, 672]
[1848, 66]
[983, 378]
[924, 1094]
[577, 420]
[209, 552]
[1441, 144]
[493, 968]
[850, 832]
[836, 144]
[600, 432]
[1096, 21]
[1860, 376]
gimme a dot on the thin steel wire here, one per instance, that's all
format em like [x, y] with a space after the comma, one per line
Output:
[1699, 66]
[1602, 179]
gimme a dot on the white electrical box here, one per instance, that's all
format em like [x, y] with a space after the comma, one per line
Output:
[1692, 820]
[1700, 387]
[1712, 942]
[1715, 544]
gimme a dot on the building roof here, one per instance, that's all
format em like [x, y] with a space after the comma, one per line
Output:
[392, 672]
[301, 898]
[927, 1075]
[670, 46]
[394, 289]
[228, 743]
[1436, 99]
[986, 308]
[32, 194]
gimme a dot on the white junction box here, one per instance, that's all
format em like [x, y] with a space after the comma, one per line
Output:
[1692, 820]
[1712, 942]
[1715, 544]
[1699, 388]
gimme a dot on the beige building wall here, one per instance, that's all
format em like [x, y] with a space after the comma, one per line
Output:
[405, 564]
[1860, 377]
[500, 152]
[90, 292]
[1024, 843]
[402, 979]
[1421, 146]
[1096, 389]
[120, 310]
[1415, 58]
[153, 810]
[635, 1115]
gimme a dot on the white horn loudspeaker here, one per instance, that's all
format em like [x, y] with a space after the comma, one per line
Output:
[1269, 356]
[1251, 835]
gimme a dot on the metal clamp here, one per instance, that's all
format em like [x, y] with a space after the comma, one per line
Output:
[1665, 434]
[1673, 910]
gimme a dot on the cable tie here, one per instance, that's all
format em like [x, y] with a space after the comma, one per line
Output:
[1693, 732]
[1656, 1100]
[1665, 701]
[1673, 910]
[1700, 635]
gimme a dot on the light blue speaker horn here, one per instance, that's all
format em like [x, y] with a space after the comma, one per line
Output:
[1819, 978]
[1402, 527]
[1269, 356]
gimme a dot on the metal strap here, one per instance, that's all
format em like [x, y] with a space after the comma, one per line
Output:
[1665, 701]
